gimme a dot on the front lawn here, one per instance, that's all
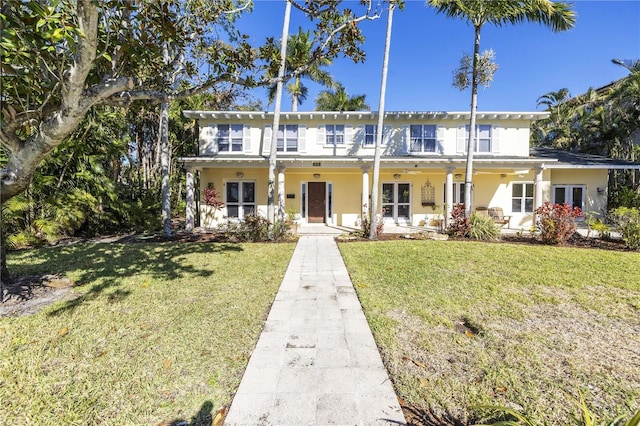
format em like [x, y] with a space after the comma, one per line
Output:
[462, 324]
[161, 333]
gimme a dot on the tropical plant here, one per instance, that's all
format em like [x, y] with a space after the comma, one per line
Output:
[301, 53]
[460, 225]
[339, 100]
[627, 221]
[558, 16]
[483, 228]
[556, 222]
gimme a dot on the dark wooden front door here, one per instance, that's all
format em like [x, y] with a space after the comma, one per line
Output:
[317, 201]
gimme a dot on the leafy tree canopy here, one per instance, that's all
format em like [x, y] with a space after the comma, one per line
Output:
[60, 58]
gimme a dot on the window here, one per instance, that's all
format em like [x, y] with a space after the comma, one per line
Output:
[303, 200]
[370, 134]
[423, 138]
[287, 138]
[522, 198]
[396, 200]
[483, 138]
[572, 194]
[229, 137]
[240, 199]
[458, 193]
[335, 134]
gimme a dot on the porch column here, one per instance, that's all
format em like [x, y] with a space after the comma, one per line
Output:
[365, 192]
[190, 213]
[537, 201]
[448, 196]
[538, 185]
[281, 193]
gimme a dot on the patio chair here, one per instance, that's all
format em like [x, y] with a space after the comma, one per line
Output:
[497, 214]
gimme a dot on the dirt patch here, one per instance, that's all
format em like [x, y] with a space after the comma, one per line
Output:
[28, 294]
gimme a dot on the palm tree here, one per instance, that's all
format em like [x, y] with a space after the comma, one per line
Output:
[554, 98]
[304, 62]
[339, 100]
[373, 232]
[558, 16]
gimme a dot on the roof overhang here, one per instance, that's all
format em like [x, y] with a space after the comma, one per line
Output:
[364, 115]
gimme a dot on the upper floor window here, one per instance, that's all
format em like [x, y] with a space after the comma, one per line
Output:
[482, 138]
[229, 137]
[335, 134]
[522, 197]
[370, 134]
[423, 138]
[288, 138]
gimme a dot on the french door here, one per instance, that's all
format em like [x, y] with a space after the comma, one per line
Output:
[574, 195]
[396, 201]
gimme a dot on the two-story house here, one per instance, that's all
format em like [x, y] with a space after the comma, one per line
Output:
[325, 166]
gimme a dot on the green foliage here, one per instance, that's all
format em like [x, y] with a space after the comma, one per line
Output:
[586, 418]
[627, 220]
[557, 222]
[255, 229]
[595, 223]
[483, 228]
[339, 100]
[365, 228]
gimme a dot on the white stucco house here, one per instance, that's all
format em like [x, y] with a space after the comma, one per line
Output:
[325, 160]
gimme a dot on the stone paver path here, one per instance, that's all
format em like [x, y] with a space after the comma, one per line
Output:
[316, 362]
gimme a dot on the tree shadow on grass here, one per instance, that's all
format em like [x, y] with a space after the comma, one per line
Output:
[204, 417]
[420, 416]
[105, 265]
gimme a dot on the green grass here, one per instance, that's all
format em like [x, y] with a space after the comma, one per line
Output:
[552, 322]
[161, 333]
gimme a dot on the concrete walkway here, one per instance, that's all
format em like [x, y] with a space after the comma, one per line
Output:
[316, 362]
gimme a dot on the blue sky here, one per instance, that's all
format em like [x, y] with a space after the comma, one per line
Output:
[426, 48]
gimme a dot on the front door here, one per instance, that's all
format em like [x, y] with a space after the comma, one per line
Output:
[317, 202]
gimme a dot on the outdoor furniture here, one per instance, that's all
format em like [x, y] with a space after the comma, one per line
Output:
[482, 211]
[497, 214]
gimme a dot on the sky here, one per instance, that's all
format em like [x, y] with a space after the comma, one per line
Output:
[426, 48]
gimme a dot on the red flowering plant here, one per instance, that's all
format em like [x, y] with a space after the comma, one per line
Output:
[557, 222]
[212, 198]
[460, 225]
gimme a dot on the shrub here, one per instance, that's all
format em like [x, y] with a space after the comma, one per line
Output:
[212, 198]
[460, 225]
[255, 228]
[557, 222]
[366, 228]
[628, 222]
[483, 228]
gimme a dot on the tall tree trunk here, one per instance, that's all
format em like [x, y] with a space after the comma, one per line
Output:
[164, 166]
[276, 118]
[373, 233]
[468, 184]
[164, 155]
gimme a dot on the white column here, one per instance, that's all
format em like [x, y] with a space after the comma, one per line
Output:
[538, 188]
[537, 200]
[449, 196]
[190, 213]
[281, 210]
[365, 192]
